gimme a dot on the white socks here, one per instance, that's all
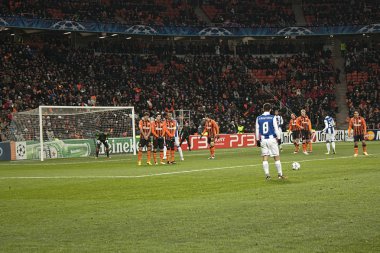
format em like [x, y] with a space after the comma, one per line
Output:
[278, 167]
[266, 167]
[328, 146]
[165, 152]
[180, 152]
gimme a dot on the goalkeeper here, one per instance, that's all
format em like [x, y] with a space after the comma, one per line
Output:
[102, 137]
[185, 135]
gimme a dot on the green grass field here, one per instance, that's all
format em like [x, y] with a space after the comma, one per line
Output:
[332, 204]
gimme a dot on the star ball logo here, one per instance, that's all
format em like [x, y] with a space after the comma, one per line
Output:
[20, 150]
[371, 135]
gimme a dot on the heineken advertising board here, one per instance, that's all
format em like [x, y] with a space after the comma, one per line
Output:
[74, 148]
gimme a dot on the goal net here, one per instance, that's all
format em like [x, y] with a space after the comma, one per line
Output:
[70, 131]
[182, 116]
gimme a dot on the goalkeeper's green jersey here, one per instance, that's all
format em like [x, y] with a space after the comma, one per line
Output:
[102, 136]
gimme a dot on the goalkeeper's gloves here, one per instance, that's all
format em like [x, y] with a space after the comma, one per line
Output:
[258, 143]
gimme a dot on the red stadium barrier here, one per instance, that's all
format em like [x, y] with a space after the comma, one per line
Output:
[224, 141]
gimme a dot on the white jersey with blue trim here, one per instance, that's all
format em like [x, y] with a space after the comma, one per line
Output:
[280, 120]
[266, 127]
[329, 125]
[176, 129]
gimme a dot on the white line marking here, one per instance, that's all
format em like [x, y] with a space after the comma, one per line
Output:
[167, 173]
[39, 163]
[103, 160]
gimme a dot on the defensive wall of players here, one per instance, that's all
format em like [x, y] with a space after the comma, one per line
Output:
[82, 148]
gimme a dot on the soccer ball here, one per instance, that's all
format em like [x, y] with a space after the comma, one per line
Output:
[68, 25]
[214, 31]
[141, 29]
[374, 28]
[294, 30]
[296, 165]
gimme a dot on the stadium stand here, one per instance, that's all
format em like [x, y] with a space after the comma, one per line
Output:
[147, 12]
[341, 12]
[258, 13]
[227, 13]
[50, 72]
[363, 84]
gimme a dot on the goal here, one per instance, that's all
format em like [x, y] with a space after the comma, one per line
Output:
[70, 131]
[182, 116]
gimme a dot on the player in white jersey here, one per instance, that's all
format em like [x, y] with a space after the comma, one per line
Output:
[176, 142]
[268, 138]
[329, 130]
[280, 123]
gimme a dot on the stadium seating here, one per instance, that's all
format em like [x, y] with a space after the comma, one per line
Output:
[341, 12]
[363, 85]
[232, 88]
[158, 12]
[243, 13]
[258, 13]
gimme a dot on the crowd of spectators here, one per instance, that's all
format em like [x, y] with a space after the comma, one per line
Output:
[247, 13]
[258, 13]
[141, 46]
[231, 88]
[341, 12]
[147, 12]
[227, 13]
[363, 81]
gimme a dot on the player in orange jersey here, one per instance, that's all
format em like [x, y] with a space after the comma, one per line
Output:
[358, 128]
[145, 132]
[170, 129]
[295, 130]
[212, 129]
[158, 132]
[310, 144]
[304, 123]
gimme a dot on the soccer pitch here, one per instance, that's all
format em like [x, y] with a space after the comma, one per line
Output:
[331, 204]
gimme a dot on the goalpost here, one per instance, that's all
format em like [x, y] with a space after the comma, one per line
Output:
[70, 131]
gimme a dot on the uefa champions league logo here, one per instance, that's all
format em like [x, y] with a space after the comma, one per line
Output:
[141, 29]
[214, 31]
[20, 150]
[294, 30]
[3, 23]
[374, 28]
[68, 25]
